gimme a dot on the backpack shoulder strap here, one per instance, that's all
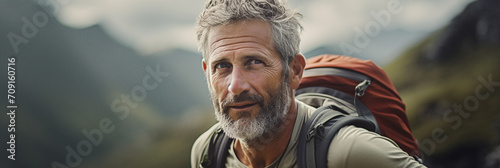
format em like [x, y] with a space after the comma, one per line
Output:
[216, 152]
[318, 132]
[318, 96]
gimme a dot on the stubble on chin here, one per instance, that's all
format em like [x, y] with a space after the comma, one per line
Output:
[260, 129]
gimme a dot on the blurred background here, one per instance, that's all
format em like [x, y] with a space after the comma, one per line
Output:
[109, 83]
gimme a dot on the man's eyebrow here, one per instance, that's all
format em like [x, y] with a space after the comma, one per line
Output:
[255, 56]
[246, 57]
[215, 62]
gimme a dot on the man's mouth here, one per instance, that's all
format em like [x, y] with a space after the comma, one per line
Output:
[242, 105]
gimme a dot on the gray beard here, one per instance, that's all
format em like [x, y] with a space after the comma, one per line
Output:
[261, 129]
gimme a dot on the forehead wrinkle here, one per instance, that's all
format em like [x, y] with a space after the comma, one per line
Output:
[234, 43]
[233, 40]
[237, 45]
[234, 47]
[230, 38]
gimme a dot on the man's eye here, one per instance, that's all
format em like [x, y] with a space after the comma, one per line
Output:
[222, 65]
[256, 61]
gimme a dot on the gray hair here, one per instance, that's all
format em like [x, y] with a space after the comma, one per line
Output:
[285, 27]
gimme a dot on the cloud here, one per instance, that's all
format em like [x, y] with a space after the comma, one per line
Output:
[327, 22]
[150, 26]
[147, 26]
[81, 14]
[429, 15]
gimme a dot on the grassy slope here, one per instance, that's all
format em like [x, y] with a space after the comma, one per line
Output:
[429, 89]
[169, 145]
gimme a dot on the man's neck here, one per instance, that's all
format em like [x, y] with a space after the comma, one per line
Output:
[261, 154]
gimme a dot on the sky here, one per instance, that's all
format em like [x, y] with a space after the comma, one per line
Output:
[150, 26]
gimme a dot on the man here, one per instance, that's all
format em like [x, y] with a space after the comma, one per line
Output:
[252, 64]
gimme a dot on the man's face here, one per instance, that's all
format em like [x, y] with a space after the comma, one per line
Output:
[246, 81]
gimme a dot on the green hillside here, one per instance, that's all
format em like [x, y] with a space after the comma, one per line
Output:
[453, 98]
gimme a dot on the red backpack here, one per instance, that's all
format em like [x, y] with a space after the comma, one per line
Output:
[360, 93]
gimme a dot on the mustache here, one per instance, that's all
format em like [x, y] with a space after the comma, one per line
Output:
[245, 96]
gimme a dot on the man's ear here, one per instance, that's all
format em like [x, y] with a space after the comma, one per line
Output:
[204, 64]
[296, 70]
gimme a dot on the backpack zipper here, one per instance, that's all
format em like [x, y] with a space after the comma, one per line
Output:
[361, 87]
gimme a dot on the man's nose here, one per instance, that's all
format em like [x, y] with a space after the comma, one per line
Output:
[239, 82]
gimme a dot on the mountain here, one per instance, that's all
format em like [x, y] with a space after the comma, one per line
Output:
[74, 87]
[450, 83]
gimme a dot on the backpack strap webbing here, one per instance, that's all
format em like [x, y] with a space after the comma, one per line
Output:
[218, 146]
[318, 96]
[334, 72]
[318, 132]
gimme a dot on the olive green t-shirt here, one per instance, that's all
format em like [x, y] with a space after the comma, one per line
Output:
[352, 147]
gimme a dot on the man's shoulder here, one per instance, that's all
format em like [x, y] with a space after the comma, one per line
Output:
[201, 144]
[355, 134]
[358, 147]
[304, 108]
